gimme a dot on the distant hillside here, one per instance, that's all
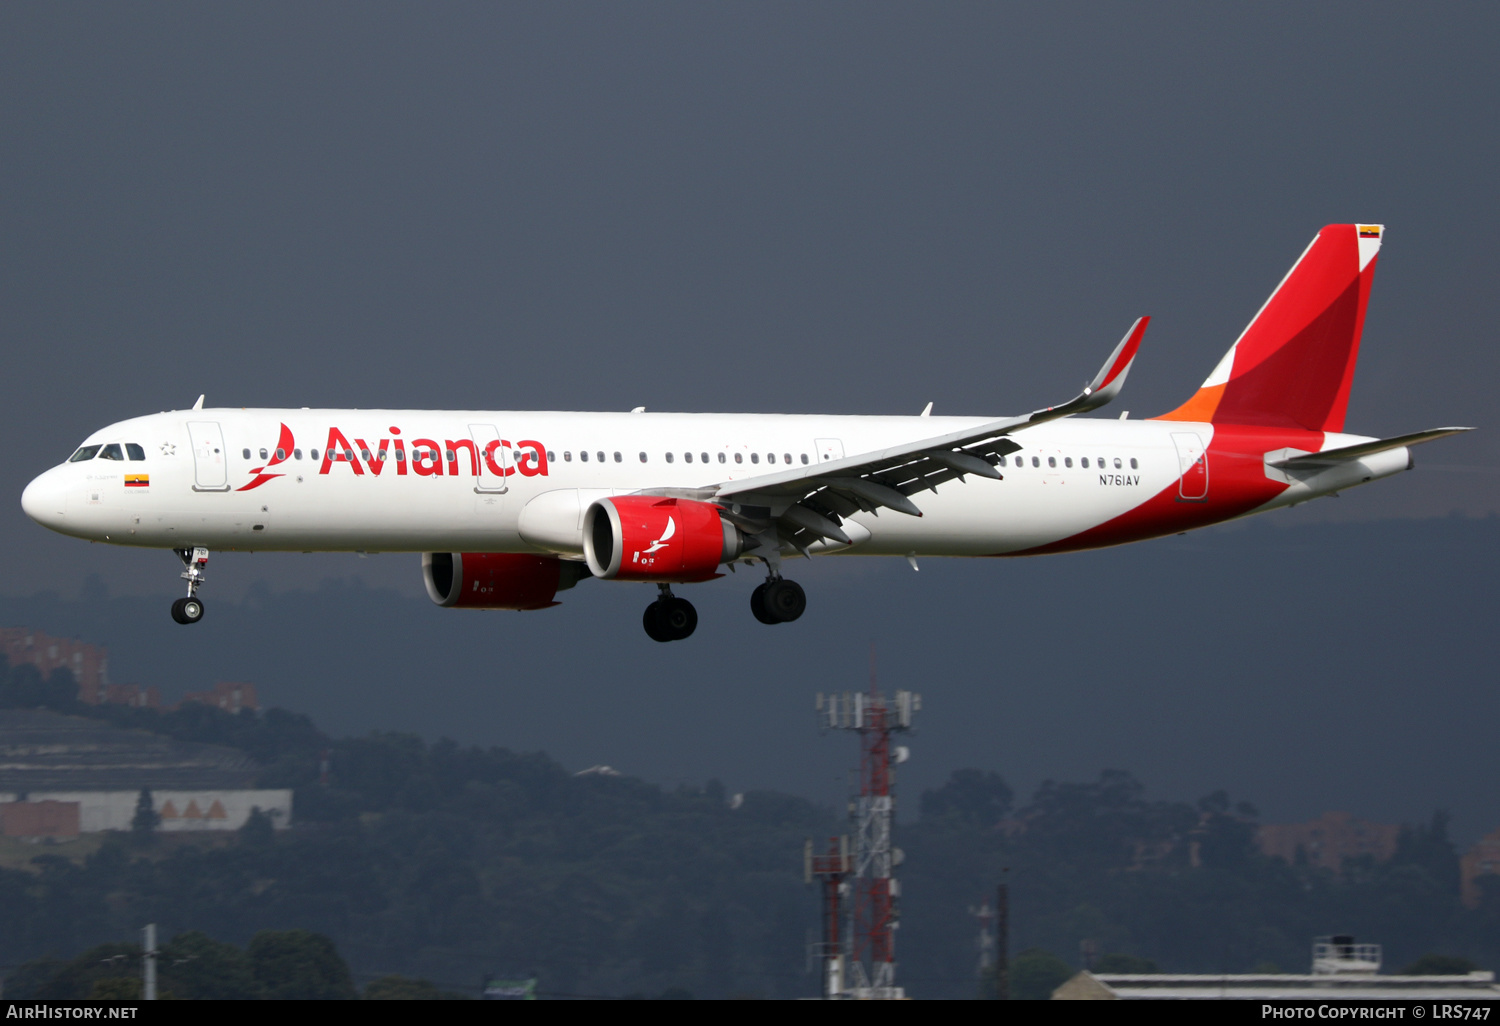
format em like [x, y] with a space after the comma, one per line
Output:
[1306, 668]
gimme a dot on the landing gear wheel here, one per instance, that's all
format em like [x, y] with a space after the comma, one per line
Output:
[677, 617]
[758, 604]
[670, 619]
[784, 600]
[778, 601]
[651, 620]
[187, 610]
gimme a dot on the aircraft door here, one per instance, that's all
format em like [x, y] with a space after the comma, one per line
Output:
[494, 460]
[210, 465]
[829, 449]
[1192, 467]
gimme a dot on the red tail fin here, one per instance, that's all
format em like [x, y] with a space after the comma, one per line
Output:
[1294, 364]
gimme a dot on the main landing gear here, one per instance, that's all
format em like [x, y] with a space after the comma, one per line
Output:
[669, 618]
[190, 609]
[778, 601]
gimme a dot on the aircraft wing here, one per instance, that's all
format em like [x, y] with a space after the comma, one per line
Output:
[1353, 452]
[807, 504]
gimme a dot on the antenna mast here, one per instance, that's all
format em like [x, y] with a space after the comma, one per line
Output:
[872, 937]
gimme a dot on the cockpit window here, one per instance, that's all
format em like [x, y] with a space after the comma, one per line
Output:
[88, 452]
[111, 451]
[134, 451]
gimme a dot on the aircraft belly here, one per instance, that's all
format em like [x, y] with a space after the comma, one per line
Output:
[983, 518]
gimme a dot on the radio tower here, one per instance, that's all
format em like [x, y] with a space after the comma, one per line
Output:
[872, 937]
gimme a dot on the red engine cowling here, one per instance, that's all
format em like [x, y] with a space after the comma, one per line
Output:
[645, 538]
[497, 580]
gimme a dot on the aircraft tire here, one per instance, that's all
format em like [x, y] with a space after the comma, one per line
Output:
[758, 605]
[187, 610]
[651, 620]
[785, 600]
[678, 618]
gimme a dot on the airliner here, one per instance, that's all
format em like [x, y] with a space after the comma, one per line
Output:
[508, 509]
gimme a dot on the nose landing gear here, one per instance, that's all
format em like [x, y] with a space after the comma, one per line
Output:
[190, 609]
[778, 601]
[669, 618]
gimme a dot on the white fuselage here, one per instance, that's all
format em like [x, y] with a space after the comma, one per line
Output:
[211, 478]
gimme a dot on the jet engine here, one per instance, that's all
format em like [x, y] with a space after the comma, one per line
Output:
[646, 538]
[497, 580]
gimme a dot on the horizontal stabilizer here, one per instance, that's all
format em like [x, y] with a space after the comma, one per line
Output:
[1355, 452]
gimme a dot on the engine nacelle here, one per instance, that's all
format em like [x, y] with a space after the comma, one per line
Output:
[645, 538]
[497, 580]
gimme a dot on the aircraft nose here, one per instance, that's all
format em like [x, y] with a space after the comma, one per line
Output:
[45, 499]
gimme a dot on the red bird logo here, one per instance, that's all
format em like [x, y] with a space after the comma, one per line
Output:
[283, 450]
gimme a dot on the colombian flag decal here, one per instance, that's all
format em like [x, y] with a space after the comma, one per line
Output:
[137, 480]
[1369, 231]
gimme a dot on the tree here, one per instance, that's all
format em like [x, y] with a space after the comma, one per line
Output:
[970, 797]
[1439, 965]
[195, 966]
[401, 988]
[116, 988]
[1118, 963]
[258, 830]
[1035, 974]
[146, 819]
[299, 965]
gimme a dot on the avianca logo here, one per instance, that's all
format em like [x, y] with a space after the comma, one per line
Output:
[644, 557]
[284, 446]
[427, 457]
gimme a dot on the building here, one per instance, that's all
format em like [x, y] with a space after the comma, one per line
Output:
[1341, 971]
[1329, 840]
[1481, 860]
[70, 813]
[98, 770]
[88, 663]
[229, 697]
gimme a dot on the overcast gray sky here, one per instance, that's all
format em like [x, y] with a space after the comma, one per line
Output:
[851, 208]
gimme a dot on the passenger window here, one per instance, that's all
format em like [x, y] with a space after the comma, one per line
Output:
[1133, 465]
[134, 451]
[88, 452]
[281, 454]
[1117, 463]
[297, 454]
[1067, 461]
[687, 457]
[1084, 463]
[643, 457]
[552, 456]
[400, 455]
[1036, 461]
[739, 457]
[786, 458]
[669, 457]
[567, 455]
[619, 458]
[243, 452]
[111, 452]
[263, 455]
[1002, 461]
[313, 453]
[804, 459]
[704, 456]
[364, 454]
[755, 457]
[349, 455]
[770, 457]
[1051, 461]
[600, 455]
[721, 457]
